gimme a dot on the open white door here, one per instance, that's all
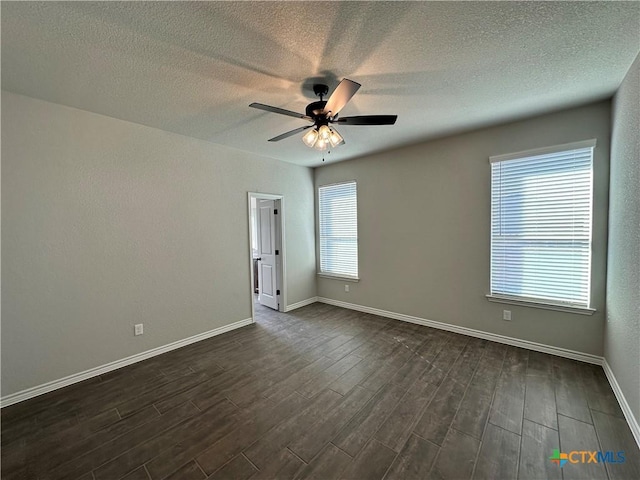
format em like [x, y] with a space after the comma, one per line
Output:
[267, 250]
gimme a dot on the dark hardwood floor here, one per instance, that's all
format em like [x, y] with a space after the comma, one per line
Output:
[325, 393]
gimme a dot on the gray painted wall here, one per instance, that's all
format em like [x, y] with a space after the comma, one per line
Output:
[107, 223]
[424, 215]
[622, 331]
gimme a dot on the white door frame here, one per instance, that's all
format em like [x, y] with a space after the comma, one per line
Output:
[280, 243]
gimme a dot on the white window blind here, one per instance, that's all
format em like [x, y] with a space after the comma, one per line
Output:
[338, 229]
[541, 225]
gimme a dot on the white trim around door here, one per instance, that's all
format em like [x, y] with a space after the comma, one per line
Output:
[280, 240]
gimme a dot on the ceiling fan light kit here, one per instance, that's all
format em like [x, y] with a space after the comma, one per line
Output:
[335, 138]
[321, 138]
[310, 138]
[322, 113]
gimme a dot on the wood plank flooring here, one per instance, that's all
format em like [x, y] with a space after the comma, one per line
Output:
[324, 393]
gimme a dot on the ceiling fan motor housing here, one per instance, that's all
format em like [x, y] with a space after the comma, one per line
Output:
[315, 109]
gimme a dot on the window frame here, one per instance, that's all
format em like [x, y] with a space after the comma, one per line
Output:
[327, 274]
[532, 301]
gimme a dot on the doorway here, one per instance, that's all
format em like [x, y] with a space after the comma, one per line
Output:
[266, 252]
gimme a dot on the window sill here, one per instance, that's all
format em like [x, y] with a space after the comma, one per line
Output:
[545, 306]
[338, 277]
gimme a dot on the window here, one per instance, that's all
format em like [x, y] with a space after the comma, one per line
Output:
[541, 226]
[338, 230]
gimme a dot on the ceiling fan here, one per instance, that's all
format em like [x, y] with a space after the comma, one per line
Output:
[323, 113]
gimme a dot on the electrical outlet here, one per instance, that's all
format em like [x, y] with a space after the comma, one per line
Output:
[138, 329]
[346, 288]
[506, 315]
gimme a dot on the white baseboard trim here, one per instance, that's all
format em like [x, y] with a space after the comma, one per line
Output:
[632, 421]
[303, 303]
[138, 357]
[494, 337]
[516, 342]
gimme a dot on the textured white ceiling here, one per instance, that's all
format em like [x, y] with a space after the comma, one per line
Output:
[193, 68]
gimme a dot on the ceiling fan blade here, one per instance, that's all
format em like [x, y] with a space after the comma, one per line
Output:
[289, 133]
[281, 111]
[368, 120]
[340, 96]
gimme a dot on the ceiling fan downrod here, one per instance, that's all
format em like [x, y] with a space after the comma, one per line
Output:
[320, 90]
